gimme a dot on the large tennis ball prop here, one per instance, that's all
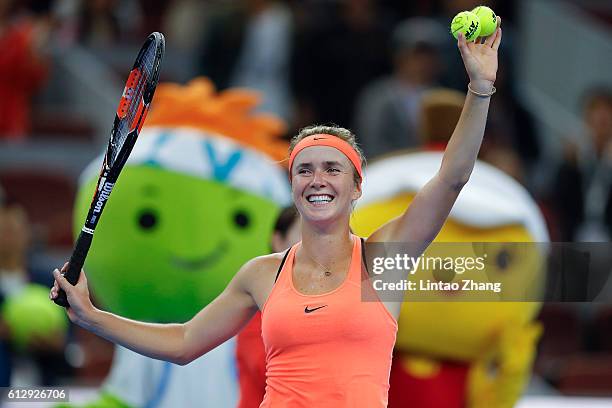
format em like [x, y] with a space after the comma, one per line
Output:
[188, 210]
[488, 20]
[467, 23]
[29, 313]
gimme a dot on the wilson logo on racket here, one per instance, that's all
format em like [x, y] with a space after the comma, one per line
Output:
[104, 194]
[128, 93]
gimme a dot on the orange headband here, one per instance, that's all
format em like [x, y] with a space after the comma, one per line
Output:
[327, 140]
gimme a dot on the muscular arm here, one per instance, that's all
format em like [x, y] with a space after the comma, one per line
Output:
[422, 221]
[224, 317]
[159, 341]
[177, 343]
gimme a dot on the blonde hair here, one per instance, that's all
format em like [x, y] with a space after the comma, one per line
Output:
[332, 130]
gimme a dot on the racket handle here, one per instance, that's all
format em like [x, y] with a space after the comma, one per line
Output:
[74, 265]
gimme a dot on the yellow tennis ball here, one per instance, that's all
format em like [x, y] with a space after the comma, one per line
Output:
[488, 20]
[467, 23]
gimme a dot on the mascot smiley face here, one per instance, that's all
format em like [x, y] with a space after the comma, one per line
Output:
[193, 203]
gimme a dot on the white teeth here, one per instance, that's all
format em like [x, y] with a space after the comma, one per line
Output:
[323, 198]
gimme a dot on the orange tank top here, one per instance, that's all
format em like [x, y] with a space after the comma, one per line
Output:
[329, 350]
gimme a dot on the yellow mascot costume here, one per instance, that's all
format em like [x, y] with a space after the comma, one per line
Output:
[457, 354]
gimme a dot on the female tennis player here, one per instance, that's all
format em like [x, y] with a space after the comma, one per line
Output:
[324, 346]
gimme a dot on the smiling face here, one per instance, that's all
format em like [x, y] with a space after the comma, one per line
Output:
[323, 184]
[169, 243]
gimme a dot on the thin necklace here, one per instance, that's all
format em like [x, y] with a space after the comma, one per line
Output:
[327, 271]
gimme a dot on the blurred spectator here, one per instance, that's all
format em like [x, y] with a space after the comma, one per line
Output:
[183, 23]
[343, 46]
[404, 9]
[42, 358]
[14, 241]
[506, 159]
[104, 23]
[24, 32]
[582, 190]
[439, 112]
[387, 114]
[152, 13]
[248, 44]
[98, 23]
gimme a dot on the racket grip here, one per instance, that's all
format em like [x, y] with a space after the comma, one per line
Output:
[74, 265]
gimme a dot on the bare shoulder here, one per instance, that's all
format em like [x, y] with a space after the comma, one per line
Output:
[262, 264]
[257, 276]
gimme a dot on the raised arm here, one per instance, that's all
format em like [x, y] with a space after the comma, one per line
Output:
[422, 221]
[177, 343]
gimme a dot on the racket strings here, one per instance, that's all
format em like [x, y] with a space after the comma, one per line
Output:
[146, 65]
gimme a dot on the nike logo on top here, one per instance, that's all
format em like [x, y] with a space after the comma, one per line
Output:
[307, 310]
[320, 138]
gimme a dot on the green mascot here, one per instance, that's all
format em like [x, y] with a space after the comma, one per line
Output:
[198, 197]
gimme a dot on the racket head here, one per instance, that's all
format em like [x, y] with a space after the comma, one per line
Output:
[135, 100]
[130, 116]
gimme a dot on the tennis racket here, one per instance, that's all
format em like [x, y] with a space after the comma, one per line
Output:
[130, 117]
